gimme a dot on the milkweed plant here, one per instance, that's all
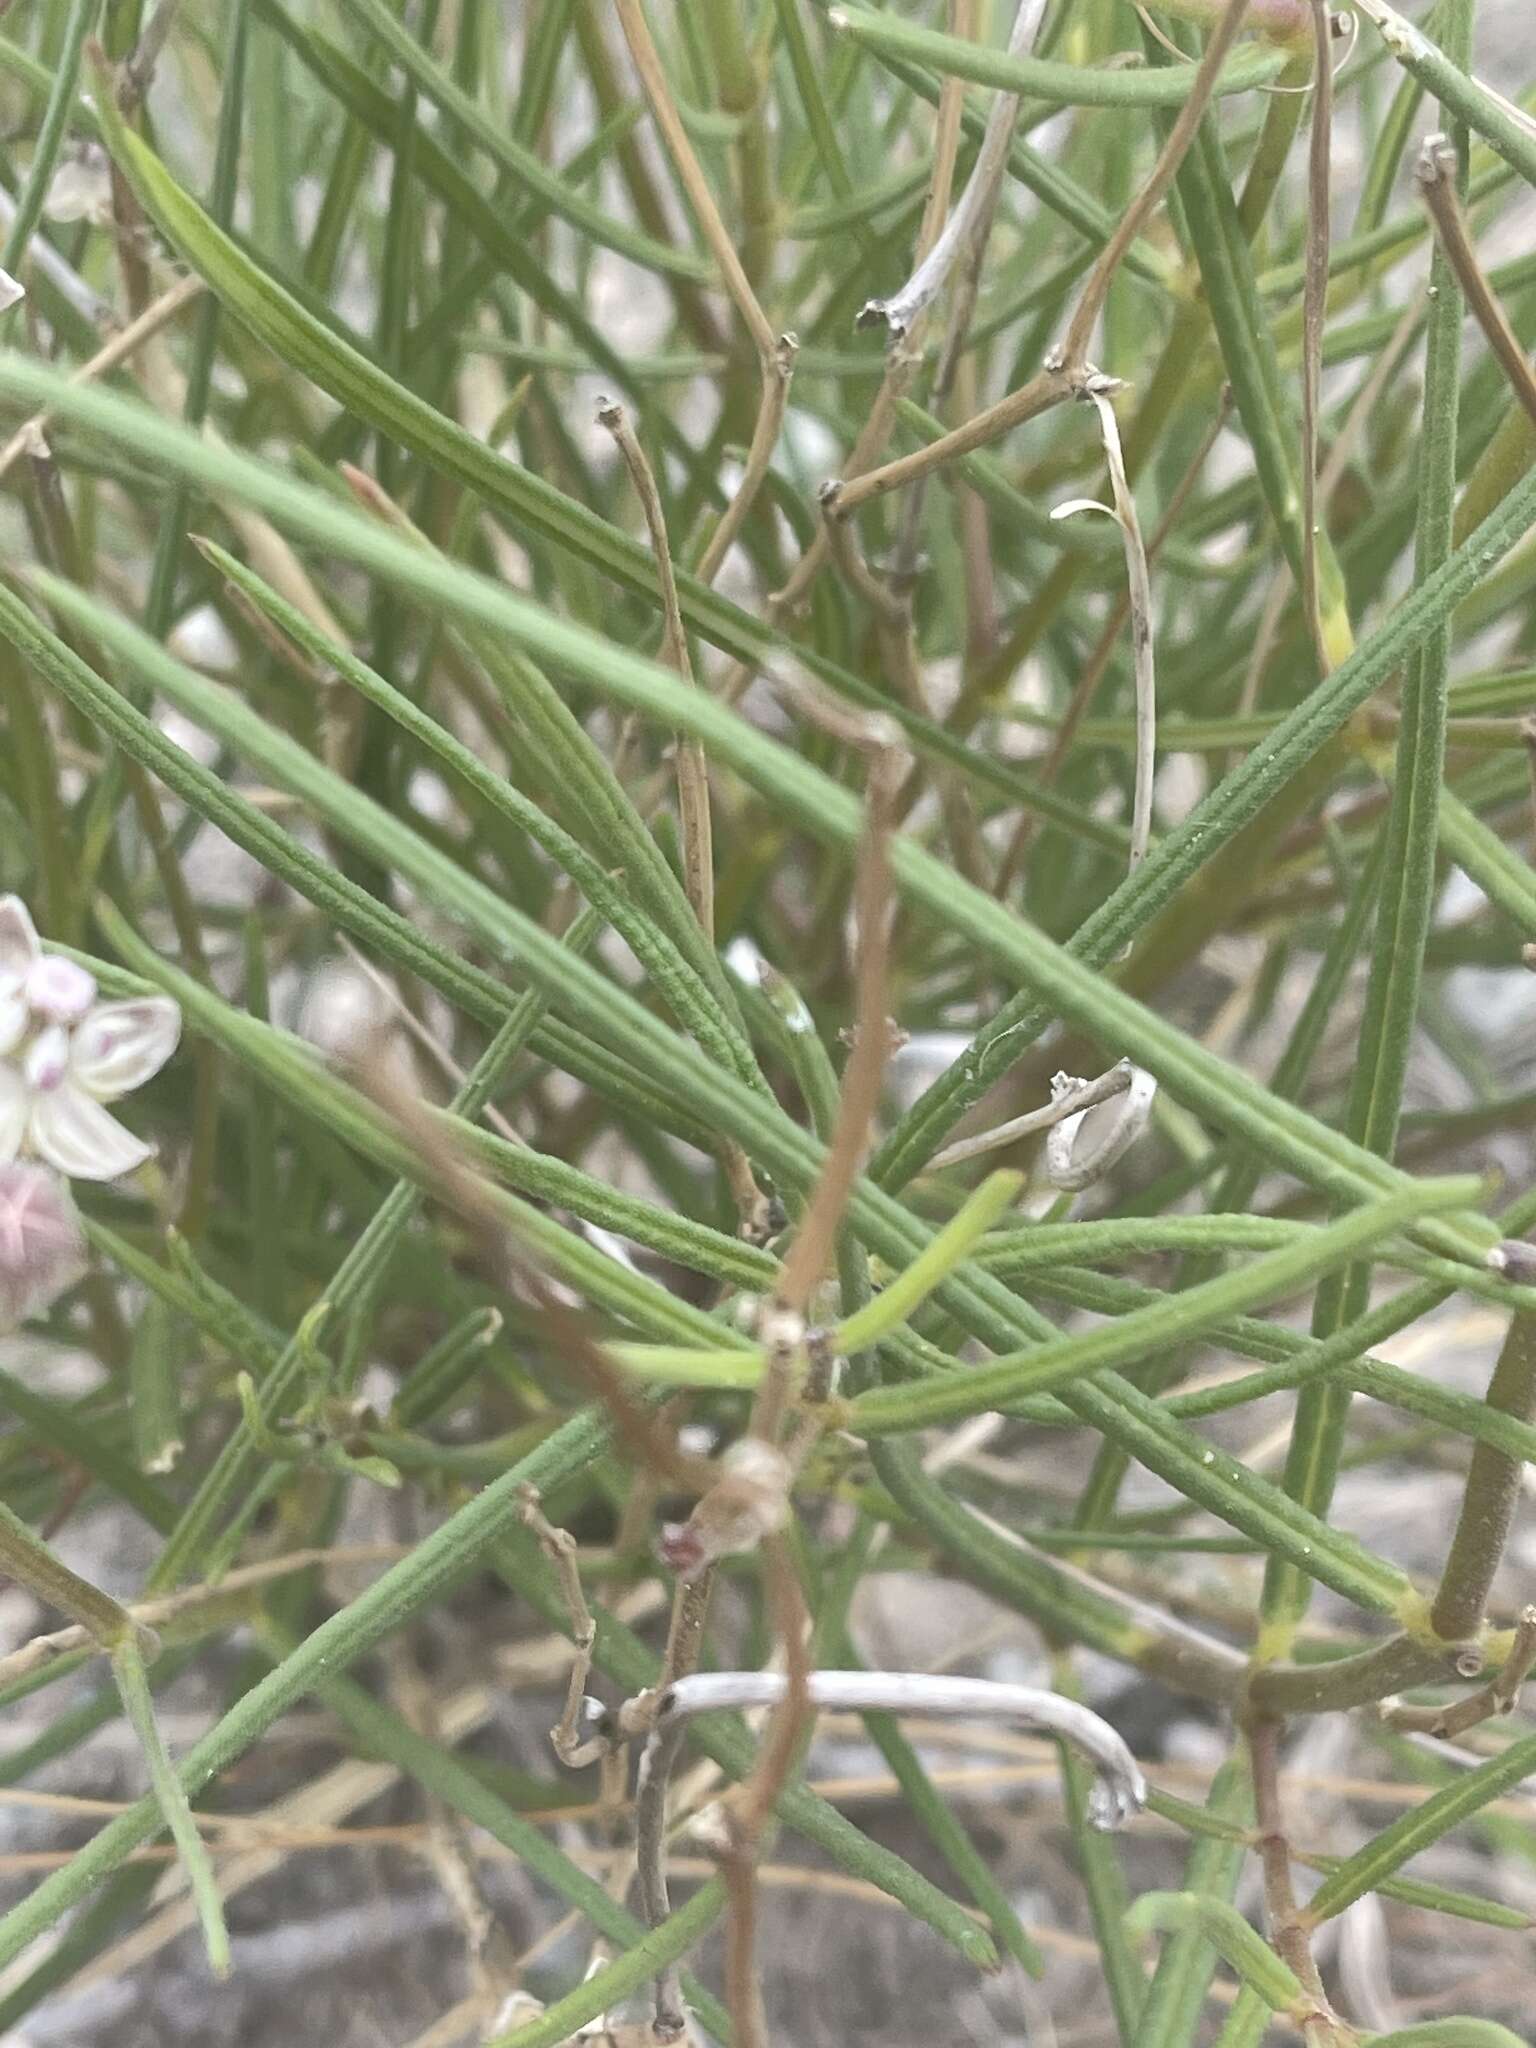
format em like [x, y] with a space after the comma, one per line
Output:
[766, 1058]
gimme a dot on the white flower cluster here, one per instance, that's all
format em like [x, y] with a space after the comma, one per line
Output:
[64, 1053]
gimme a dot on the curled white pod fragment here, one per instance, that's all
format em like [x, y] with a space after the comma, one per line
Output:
[1126, 1117]
[1119, 1794]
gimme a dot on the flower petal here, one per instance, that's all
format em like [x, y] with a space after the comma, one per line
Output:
[46, 1060]
[15, 1103]
[18, 942]
[119, 1045]
[42, 1247]
[76, 1137]
[14, 1019]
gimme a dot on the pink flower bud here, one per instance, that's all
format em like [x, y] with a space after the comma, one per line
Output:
[60, 991]
[42, 1247]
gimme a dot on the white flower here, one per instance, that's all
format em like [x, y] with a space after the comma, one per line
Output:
[81, 188]
[63, 1054]
[42, 1248]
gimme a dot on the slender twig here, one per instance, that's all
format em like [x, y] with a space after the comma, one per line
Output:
[809, 1255]
[655, 1772]
[658, 93]
[891, 604]
[1314, 307]
[775, 352]
[1049, 387]
[695, 827]
[1287, 1928]
[106, 359]
[1073, 353]
[695, 824]
[471, 1197]
[570, 1739]
[749, 1813]
[900, 366]
[138, 70]
[1497, 1697]
[1436, 173]
[777, 372]
[974, 210]
[154, 1614]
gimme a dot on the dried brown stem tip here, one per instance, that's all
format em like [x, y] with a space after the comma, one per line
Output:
[1436, 173]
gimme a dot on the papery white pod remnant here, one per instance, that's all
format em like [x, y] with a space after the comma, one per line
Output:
[1515, 1259]
[1122, 1120]
[64, 1054]
[1119, 1794]
[81, 188]
[42, 1247]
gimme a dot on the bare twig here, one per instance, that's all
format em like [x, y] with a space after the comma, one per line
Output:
[748, 1814]
[972, 215]
[891, 605]
[809, 1255]
[107, 358]
[1050, 387]
[138, 71]
[1073, 353]
[777, 371]
[1497, 1697]
[692, 772]
[695, 825]
[1287, 1928]
[1436, 173]
[572, 1743]
[775, 352]
[900, 365]
[473, 1198]
[154, 1614]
